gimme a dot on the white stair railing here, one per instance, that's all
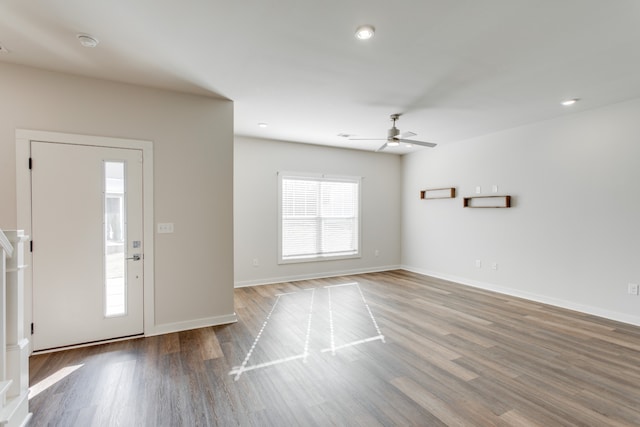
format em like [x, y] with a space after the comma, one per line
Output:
[14, 346]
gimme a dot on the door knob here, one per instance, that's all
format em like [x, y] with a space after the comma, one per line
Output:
[135, 257]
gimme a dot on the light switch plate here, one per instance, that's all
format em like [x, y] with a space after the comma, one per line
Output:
[165, 227]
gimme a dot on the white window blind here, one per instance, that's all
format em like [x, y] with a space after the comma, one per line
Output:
[319, 217]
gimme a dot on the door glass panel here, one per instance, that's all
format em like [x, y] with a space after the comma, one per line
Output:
[114, 239]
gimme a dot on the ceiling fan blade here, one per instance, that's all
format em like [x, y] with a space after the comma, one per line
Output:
[367, 139]
[422, 143]
[382, 148]
[407, 135]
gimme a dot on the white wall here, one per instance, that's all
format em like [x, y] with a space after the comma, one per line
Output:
[193, 151]
[257, 162]
[572, 237]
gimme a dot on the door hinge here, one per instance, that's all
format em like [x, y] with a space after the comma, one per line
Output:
[30, 163]
[31, 246]
[32, 329]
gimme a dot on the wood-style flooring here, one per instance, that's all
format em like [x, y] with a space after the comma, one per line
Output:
[390, 349]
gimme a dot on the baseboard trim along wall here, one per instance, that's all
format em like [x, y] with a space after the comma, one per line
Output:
[168, 328]
[272, 280]
[595, 311]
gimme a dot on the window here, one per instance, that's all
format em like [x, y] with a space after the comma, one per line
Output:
[114, 239]
[319, 217]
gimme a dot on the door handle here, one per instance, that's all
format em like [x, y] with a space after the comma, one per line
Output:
[135, 257]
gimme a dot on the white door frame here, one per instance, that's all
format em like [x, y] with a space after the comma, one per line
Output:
[23, 199]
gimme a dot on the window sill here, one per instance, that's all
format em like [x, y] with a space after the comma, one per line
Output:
[317, 258]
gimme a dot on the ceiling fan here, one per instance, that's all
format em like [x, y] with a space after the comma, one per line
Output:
[394, 137]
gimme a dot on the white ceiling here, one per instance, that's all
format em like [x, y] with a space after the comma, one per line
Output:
[455, 69]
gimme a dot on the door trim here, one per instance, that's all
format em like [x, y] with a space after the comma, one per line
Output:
[23, 206]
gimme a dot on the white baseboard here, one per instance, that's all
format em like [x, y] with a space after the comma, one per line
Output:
[587, 309]
[272, 280]
[168, 328]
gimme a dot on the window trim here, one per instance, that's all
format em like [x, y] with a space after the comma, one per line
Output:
[319, 177]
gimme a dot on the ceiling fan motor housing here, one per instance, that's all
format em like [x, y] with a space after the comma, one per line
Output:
[393, 133]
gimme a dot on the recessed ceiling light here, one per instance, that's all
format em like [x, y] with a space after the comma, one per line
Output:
[87, 41]
[262, 125]
[365, 32]
[568, 102]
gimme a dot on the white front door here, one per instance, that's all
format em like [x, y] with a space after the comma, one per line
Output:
[87, 228]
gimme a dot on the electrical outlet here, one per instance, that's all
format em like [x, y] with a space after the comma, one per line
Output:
[256, 262]
[494, 266]
[478, 263]
[376, 253]
[478, 189]
[633, 289]
[494, 188]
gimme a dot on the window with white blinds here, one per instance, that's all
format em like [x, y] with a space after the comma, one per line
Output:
[319, 217]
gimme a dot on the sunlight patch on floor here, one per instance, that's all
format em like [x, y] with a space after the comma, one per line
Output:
[335, 319]
[61, 374]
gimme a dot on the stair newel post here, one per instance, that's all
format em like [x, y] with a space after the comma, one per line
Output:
[17, 345]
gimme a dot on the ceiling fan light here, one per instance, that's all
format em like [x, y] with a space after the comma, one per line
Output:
[393, 144]
[568, 102]
[365, 32]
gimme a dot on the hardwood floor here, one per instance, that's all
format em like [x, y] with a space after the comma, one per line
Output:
[392, 348]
